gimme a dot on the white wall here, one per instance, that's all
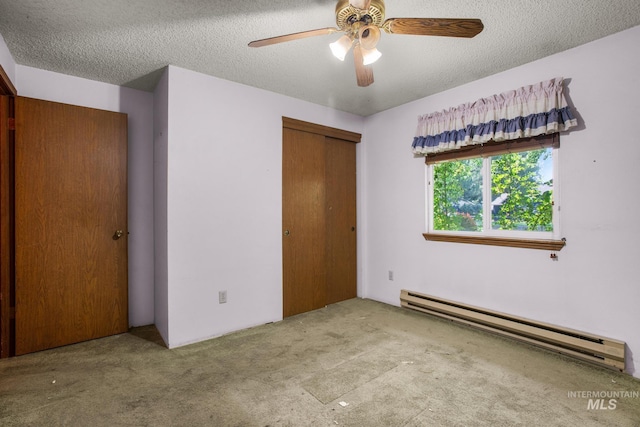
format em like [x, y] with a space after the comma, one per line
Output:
[36, 83]
[224, 202]
[7, 62]
[594, 285]
[160, 162]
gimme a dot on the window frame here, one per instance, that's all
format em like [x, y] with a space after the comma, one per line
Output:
[512, 238]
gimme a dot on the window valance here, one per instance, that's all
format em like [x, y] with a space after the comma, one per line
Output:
[525, 112]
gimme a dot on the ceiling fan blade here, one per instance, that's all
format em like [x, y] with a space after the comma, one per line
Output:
[364, 73]
[360, 4]
[433, 27]
[293, 36]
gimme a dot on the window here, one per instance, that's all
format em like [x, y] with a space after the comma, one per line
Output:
[505, 193]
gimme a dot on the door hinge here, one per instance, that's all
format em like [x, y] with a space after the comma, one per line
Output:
[11, 123]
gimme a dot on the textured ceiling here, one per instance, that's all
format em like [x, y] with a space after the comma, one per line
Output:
[129, 42]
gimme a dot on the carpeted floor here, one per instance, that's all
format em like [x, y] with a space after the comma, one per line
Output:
[356, 363]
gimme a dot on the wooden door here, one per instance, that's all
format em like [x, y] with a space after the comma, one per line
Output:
[319, 216]
[340, 208]
[70, 209]
[303, 243]
[6, 227]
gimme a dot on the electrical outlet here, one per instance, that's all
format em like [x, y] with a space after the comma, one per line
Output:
[391, 275]
[222, 297]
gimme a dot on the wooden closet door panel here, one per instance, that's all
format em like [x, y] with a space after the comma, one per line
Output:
[6, 226]
[340, 179]
[303, 242]
[71, 197]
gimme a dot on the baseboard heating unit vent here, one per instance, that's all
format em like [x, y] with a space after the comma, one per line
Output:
[603, 351]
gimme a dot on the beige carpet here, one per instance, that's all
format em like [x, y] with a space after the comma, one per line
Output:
[356, 363]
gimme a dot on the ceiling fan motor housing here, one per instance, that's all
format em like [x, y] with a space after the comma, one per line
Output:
[350, 19]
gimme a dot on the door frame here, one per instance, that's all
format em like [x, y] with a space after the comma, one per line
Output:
[321, 130]
[7, 338]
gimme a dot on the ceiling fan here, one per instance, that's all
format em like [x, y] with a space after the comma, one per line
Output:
[362, 20]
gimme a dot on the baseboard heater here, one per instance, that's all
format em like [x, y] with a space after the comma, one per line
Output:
[603, 351]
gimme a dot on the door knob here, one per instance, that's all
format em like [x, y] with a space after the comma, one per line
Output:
[286, 232]
[118, 234]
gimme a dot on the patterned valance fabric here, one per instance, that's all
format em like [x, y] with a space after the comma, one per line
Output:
[526, 112]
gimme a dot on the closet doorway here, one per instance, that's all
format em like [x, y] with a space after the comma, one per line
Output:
[318, 216]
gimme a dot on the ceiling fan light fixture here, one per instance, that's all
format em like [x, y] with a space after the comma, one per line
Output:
[369, 36]
[360, 4]
[369, 56]
[340, 47]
